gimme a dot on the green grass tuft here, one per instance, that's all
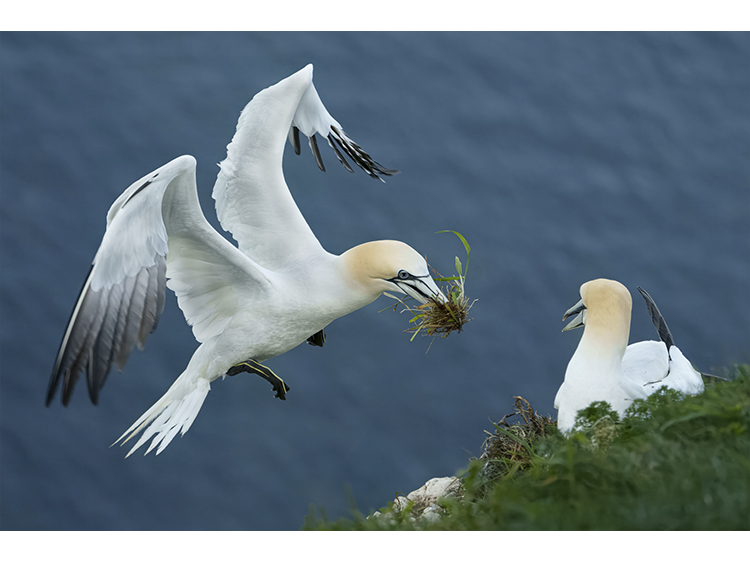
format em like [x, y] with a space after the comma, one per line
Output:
[671, 463]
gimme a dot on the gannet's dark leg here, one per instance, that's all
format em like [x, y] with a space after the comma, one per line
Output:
[317, 339]
[251, 366]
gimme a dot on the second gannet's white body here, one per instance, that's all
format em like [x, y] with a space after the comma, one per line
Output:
[595, 372]
[605, 368]
[254, 302]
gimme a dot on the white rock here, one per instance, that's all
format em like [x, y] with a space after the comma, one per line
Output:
[434, 489]
[425, 498]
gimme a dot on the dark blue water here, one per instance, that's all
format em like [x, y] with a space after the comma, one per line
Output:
[561, 157]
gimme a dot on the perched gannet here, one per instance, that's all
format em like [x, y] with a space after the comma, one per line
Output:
[595, 372]
[605, 368]
[247, 304]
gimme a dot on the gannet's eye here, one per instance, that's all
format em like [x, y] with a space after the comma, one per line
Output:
[403, 275]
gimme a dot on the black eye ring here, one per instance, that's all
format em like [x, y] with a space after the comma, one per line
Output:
[403, 275]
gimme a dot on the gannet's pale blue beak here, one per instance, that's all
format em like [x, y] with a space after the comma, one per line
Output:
[421, 288]
[579, 320]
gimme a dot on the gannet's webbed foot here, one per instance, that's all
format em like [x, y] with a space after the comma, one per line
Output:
[251, 366]
[317, 339]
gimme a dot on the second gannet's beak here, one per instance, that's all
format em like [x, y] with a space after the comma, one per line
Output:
[579, 320]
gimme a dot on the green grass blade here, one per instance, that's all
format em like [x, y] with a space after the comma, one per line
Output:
[467, 247]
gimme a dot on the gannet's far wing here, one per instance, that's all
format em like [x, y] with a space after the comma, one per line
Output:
[123, 296]
[252, 199]
[312, 118]
[658, 319]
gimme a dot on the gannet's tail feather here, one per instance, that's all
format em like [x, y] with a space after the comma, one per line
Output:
[173, 413]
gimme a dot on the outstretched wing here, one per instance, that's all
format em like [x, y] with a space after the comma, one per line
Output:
[252, 199]
[155, 230]
[312, 118]
[123, 295]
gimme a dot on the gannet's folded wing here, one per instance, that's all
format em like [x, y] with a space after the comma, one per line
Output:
[252, 199]
[682, 376]
[646, 362]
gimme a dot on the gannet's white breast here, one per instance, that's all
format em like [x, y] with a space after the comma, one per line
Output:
[592, 376]
[300, 301]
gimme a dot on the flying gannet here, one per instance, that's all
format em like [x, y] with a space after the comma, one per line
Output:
[245, 304]
[605, 368]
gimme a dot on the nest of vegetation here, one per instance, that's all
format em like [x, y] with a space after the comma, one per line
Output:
[510, 447]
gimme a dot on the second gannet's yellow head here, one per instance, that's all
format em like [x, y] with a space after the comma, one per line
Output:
[604, 311]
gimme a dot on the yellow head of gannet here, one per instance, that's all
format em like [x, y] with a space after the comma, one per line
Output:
[388, 265]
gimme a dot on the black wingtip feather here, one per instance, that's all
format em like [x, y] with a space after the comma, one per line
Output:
[348, 147]
[316, 153]
[359, 156]
[658, 319]
[59, 371]
[294, 138]
[103, 329]
[341, 158]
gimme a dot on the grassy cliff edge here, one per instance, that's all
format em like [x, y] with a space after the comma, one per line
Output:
[672, 463]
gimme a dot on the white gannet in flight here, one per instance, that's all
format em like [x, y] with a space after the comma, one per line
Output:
[605, 368]
[245, 304]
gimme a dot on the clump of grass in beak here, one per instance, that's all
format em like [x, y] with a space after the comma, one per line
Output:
[438, 317]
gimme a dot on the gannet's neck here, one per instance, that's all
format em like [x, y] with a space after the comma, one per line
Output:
[605, 334]
[597, 357]
[607, 327]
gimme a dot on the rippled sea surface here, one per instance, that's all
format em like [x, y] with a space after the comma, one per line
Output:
[561, 157]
